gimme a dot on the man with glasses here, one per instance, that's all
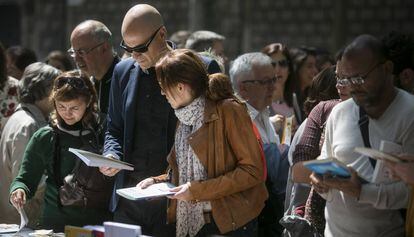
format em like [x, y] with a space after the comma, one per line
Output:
[253, 79]
[94, 55]
[377, 112]
[141, 123]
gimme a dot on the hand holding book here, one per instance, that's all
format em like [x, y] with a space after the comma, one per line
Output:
[329, 166]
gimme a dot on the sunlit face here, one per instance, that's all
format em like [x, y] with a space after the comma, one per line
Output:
[258, 91]
[343, 90]
[364, 64]
[281, 67]
[179, 96]
[308, 71]
[150, 57]
[71, 111]
[91, 62]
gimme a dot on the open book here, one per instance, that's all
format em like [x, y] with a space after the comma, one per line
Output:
[328, 166]
[155, 190]
[96, 160]
[376, 154]
[381, 171]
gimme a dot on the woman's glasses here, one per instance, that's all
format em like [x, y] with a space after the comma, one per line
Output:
[74, 82]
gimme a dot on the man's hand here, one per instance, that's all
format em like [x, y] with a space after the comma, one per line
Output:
[350, 186]
[182, 192]
[277, 120]
[109, 171]
[403, 170]
[318, 183]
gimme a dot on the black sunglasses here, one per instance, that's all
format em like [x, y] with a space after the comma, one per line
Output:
[74, 82]
[281, 63]
[139, 48]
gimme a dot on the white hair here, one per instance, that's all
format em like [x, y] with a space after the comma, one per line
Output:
[242, 67]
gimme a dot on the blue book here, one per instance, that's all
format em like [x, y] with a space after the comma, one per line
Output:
[330, 166]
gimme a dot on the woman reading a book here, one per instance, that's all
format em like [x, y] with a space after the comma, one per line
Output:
[215, 161]
[74, 123]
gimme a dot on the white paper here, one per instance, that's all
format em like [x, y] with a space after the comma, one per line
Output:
[96, 160]
[23, 218]
[155, 190]
[8, 228]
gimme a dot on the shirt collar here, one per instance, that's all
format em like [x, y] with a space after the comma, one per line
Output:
[254, 113]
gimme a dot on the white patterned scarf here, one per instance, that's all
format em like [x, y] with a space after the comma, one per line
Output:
[190, 217]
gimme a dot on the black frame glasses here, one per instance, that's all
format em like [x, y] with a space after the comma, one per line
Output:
[142, 48]
[356, 80]
[281, 63]
[74, 82]
[82, 52]
[266, 82]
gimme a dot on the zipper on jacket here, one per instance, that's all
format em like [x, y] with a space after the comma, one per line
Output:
[233, 224]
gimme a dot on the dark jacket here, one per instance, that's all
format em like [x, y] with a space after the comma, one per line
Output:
[119, 138]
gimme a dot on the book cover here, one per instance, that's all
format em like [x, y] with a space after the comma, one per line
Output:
[74, 231]
[287, 131]
[96, 160]
[115, 229]
[155, 190]
[328, 166]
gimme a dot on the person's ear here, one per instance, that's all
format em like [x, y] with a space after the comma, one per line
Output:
[163, 33]
[181, 87]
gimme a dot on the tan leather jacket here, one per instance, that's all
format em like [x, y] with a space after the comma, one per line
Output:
[230, 152]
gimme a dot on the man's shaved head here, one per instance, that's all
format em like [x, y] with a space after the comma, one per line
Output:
[141, 20]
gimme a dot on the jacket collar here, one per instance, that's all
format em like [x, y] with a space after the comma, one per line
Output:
[34, 111]
[211, 111]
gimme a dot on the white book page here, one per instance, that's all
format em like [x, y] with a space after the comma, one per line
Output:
[97, 160]
[155, 190]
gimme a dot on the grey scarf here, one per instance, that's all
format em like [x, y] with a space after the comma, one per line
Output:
[190, 217]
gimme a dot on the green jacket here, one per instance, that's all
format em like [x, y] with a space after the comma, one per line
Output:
[37, 160]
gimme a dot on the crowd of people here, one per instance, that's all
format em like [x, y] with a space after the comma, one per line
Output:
[232, 135]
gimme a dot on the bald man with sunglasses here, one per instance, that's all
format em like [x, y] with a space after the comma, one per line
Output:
[141, 123]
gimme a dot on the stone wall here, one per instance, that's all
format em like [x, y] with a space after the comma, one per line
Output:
[247, 24]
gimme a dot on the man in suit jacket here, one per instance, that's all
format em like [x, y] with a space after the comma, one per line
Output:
[141, 123]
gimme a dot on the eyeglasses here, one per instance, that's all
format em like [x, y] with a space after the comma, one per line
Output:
[267, 82]
[139, 48]
[82, 52]
[356, 80]
[74, 82]
[281, 63]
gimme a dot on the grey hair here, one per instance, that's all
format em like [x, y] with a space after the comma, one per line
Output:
[98, 30]
[242, 67]
[202, 40]
[36, 82]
